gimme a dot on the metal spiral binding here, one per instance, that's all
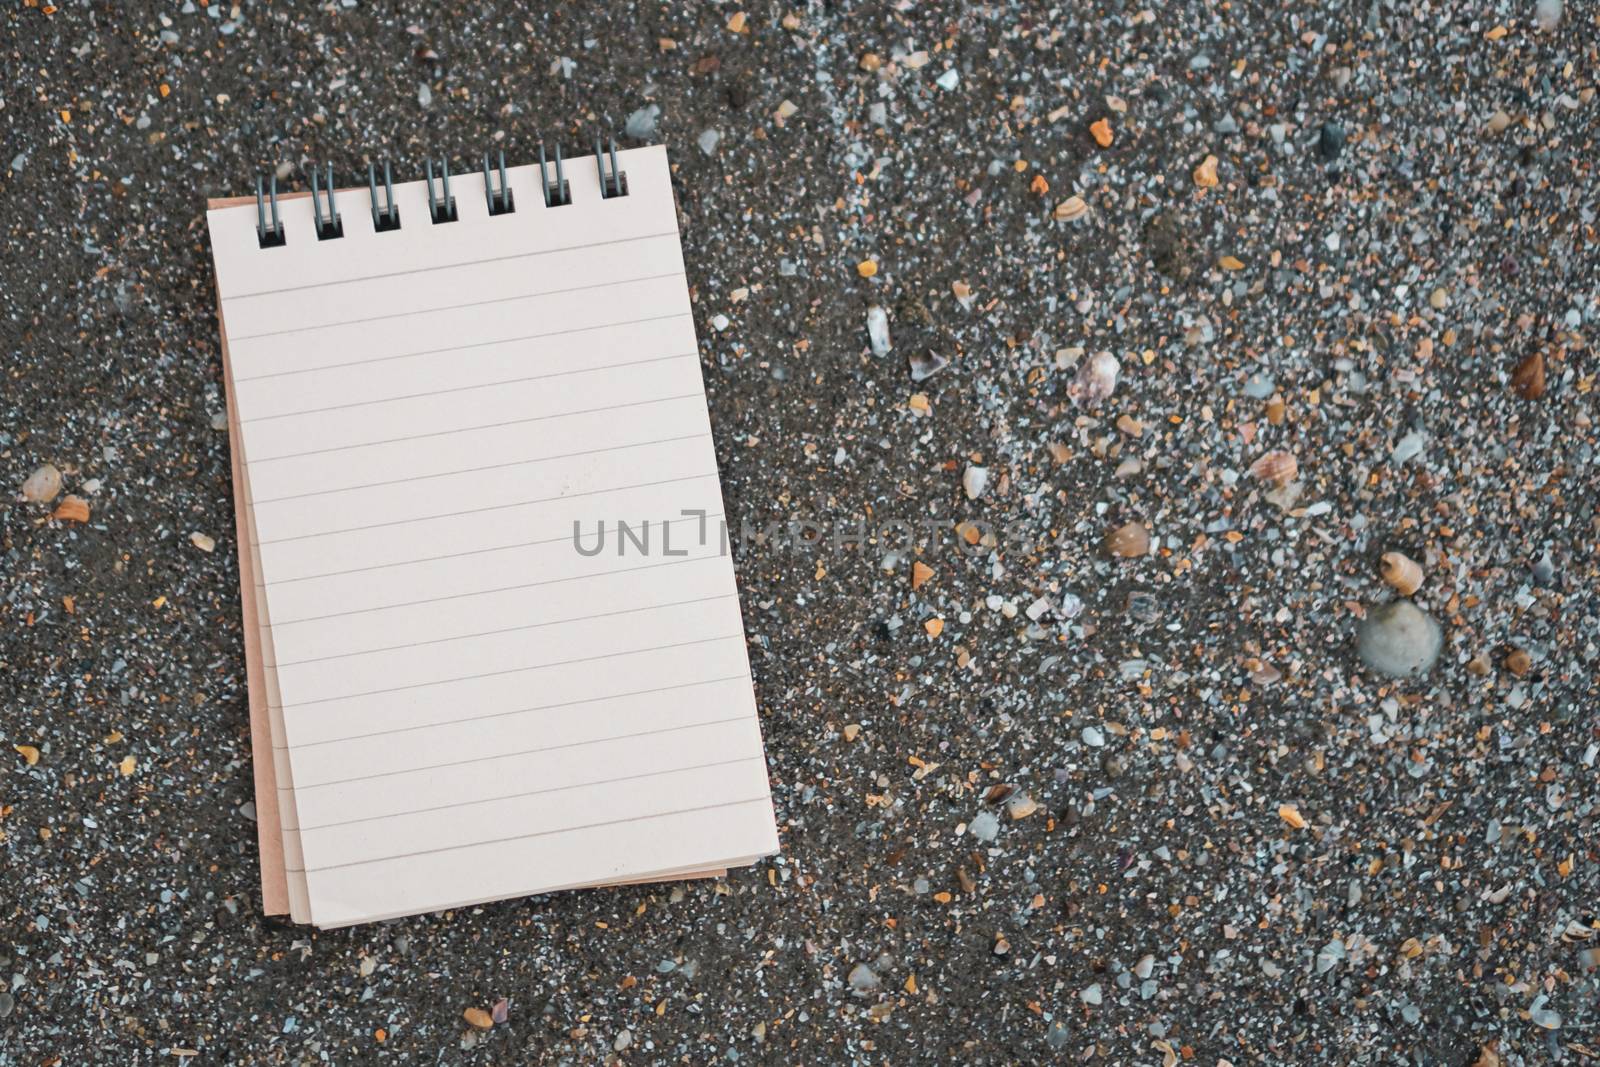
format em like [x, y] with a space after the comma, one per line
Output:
[388, 217]
[617, 183]
[498, 195]
[556, 194]
[331, 226]
[269, 236]
[441, 207]
[502, 202]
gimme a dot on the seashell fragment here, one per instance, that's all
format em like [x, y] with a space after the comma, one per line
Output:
[1096, 379]
[1205, 175]
[1278, 467]
[1527, 381]
[1129, 541]
[1402, 573]
[1073, 207]
[71, 509]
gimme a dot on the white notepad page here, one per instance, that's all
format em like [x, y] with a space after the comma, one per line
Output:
[473, 709]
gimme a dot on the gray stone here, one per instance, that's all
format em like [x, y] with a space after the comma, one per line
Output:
[641, 125]
[1399, 639]
[863, 979]
[1330, 141]
[984, 826]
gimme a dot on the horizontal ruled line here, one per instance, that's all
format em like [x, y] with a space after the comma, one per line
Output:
[480, 511]
[527, 792]
[469, 388]
[542, 833]
[465, 348]
[502, 630]
[612, 283]
[484, 426]
[516, 711]
[453, 555]
[512, 670]
[431, 268]
[526, 752]
[414, 479]
[489, 592]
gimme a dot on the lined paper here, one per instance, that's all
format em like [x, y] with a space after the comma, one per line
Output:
[465, 706]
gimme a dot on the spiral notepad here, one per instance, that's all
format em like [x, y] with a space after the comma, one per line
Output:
[446, 397]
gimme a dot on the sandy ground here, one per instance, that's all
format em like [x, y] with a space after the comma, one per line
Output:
[1040, 802]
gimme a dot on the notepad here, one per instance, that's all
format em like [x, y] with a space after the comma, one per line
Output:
[466, 682]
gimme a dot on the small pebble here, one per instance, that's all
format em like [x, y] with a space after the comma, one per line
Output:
[863, 979]
[1330, 141]
[878, 330]
[1096, 380]
[925, 365]
[974, 481]
[985, 826]
[641, 124]
[43, 485]
[1020, 806]
[1128, 541]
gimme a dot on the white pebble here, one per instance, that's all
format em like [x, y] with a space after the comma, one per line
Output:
[878, 330]
[975, 481]
[42, 485]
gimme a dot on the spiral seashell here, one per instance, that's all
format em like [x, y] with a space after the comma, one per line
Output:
[1401, 572]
